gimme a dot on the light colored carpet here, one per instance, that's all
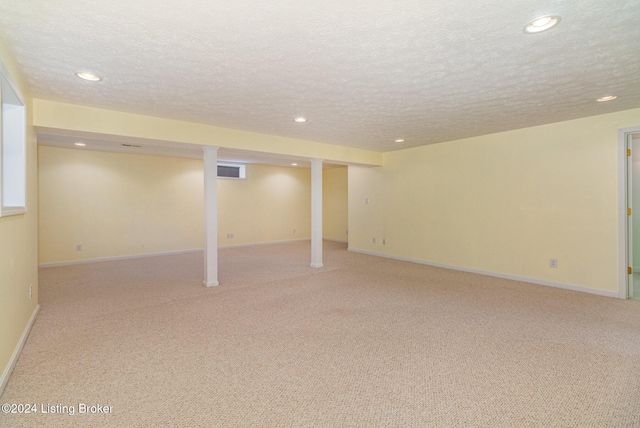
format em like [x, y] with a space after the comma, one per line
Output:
[363, 342]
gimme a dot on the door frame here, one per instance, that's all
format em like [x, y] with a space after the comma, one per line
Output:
[624, 241]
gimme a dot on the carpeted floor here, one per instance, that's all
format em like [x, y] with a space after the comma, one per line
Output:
[362, 342]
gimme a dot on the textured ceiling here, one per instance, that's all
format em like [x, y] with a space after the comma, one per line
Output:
[364, 72]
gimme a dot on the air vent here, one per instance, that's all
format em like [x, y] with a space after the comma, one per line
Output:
[131, 145]
[232, 171]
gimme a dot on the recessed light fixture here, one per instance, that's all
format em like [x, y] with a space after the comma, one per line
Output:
[79, 144]
[300, 119]
[87, 75]
[294, 164]
[399, 140]
[541, 24]
[607, 98]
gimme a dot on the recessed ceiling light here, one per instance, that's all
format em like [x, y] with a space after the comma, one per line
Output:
[294, 164]
[79, 144]
[300, 119]
[87, 75]
[607, 98]
[541, 24]
[399, 140]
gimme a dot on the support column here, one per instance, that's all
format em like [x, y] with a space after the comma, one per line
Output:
[210, 216]
[316, 213]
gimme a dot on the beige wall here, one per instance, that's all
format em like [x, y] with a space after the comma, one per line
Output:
[366, 208]
[18, 246]
[335, 212]
[504, 203]
[118, 205]
[266, 207]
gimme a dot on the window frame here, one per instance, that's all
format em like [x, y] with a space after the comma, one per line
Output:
[14, 184]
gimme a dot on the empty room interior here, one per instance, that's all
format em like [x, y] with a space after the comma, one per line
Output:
[297, 214]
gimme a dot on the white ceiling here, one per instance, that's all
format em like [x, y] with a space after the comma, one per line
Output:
[364, 72]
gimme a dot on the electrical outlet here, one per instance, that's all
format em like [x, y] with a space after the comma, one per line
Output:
[553, 263]
[294, 231]
[374, 240]
[366, 201]
[384, 241]
[30, 291]
[78, 247]
[229, 235]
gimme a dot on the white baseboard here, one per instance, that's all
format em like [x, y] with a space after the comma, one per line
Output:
[335, 240]
[168, 253]
[111, 259]
[571, 287]
[253, 244]
[16, 352]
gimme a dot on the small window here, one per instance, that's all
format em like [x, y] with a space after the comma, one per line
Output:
[13, 152]
[228, 170]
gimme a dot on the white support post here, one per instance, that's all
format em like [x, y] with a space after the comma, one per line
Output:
[316, 213]
[210, 216]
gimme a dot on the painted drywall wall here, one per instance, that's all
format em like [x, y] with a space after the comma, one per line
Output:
[18, 245]
[117, 205]
[504, 203]
[366, 208]
[335, 204]
[272, 204]
[69, 118]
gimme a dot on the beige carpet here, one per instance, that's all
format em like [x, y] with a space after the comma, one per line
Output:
[363, 342]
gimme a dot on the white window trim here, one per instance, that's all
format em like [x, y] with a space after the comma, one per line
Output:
[21, 174]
